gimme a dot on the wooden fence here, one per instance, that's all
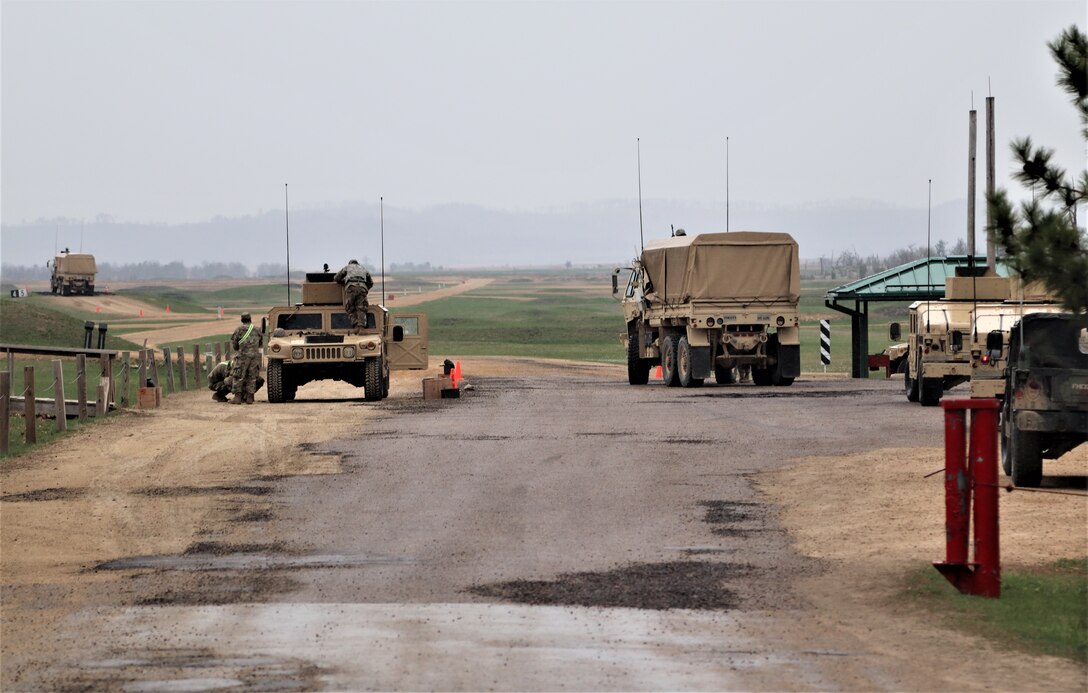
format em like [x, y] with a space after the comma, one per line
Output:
[114, 384]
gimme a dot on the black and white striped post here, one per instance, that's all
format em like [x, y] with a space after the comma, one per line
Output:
[825, 343]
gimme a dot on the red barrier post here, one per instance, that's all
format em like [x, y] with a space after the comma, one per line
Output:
[957, 489]
[984, 475]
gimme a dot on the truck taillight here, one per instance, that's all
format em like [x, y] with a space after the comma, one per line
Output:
[275, 348]
[985, 359]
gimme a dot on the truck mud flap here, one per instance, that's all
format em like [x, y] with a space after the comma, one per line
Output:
[789, 360]
[702, 364]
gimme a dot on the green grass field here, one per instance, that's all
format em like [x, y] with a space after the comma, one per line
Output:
[1043, 610]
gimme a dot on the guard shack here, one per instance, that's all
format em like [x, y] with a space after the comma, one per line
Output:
[914, 281]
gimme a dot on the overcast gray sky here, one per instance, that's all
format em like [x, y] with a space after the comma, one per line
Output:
[181, 111]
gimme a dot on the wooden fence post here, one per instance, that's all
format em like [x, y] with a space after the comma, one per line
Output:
[81, 385]
[218, 353]
[196, 366]
[30, 415]
[124, 379]
[11, 370]
[58, 395]
[154, 365]
[101, 404]
[5, 411]
[181, 367]
[107, 374]
[169, 370]
[208, 365]
[142, 373]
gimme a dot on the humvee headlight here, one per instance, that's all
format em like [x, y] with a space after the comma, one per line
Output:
[349, 352]
[275, 348]
[371, 346]
[780, 321]
[296, 353]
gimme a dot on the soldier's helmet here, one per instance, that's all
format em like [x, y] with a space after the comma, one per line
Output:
[353, 261]
[246, 317]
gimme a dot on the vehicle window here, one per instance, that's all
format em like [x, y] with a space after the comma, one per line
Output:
[341, 321]
[299, 321]
[631, 285]
[409, 324]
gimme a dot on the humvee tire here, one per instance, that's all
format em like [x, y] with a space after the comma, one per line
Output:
[910, 385]
[1003, 436]
[372, 379]
[638, 369]
[275, 381]
[761, 376]
[1025, 457]
[725, 375]
[684, 365]
[930, 391]
[668, 361]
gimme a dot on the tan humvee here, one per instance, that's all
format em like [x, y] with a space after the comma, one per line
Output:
[314, 340]
[73, 273]
[713, 303]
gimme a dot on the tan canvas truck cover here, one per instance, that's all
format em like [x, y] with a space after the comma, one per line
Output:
[740, 267]
[76, 264]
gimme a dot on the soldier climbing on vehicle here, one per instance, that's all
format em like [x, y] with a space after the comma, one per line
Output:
[357, 284]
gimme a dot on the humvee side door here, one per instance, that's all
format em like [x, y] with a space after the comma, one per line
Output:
[407, 339]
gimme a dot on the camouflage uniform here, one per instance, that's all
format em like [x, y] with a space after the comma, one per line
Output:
[357, 283]
[220, 380]
[246, 342]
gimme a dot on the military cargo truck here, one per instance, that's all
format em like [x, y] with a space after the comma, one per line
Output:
[1045, 408]
[315, 340]
[73, 273]
[713, 303]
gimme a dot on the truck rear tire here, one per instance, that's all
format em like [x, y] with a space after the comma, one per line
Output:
[930, 391]
[1025, 457]
[761, 376]
[668, 361]
[910, 385]
[725, 375]
[684, 365]
[372, 379]
[638, 368]
[275, 381]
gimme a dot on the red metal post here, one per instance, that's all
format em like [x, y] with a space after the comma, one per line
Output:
[987, 582]
[957, 490]
[966, 474]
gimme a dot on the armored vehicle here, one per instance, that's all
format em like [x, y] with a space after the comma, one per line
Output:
[713, 303]
[990, 342]
[1045, 410]
[315, 340]
[73, 273]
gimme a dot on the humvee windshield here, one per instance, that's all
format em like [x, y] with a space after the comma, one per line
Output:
[299, 321]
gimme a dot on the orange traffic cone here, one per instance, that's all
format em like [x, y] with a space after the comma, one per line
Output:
[167, 307]
[453, 378]
[457, 369]
[97, 309]
[141, 312]
[658, 376]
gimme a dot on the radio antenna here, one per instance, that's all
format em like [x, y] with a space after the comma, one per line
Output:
[727, 185]
[287, 222]
[381, 228]
[929, 256]
[641, 238]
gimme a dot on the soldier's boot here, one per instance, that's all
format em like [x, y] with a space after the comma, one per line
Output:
[249, 398]
[219, 397]
[238, 398]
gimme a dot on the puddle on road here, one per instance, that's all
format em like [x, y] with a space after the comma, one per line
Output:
[726, 515]
[216, 588]
[182, 491]
[153, 671]
[45, 494]
[202, 562]
[673, 585]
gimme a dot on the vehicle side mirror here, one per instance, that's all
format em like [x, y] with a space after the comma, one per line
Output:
[264, 325]
[956, 340]
[615, 282]
[895, 332]
[995, 341]
[398, 333]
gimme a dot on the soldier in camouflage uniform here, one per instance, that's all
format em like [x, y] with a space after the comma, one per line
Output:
[246, 342]
[357, 283]
[221, 379]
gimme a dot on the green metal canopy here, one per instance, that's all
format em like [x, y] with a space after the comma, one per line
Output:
[914, 281]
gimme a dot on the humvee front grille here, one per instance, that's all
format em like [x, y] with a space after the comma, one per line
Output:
[325, 353]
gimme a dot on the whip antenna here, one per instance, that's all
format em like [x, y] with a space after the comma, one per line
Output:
[727, 185]
[641, 239]
[287, 220]
[381, 227]
[929, 257]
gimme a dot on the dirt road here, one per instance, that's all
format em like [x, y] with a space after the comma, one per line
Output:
[556, 528]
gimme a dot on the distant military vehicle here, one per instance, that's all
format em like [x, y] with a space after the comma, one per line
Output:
[713, 303]
[315, 340]
[989, 349]
[1045, 408]
[946, 344]
[73, 273]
